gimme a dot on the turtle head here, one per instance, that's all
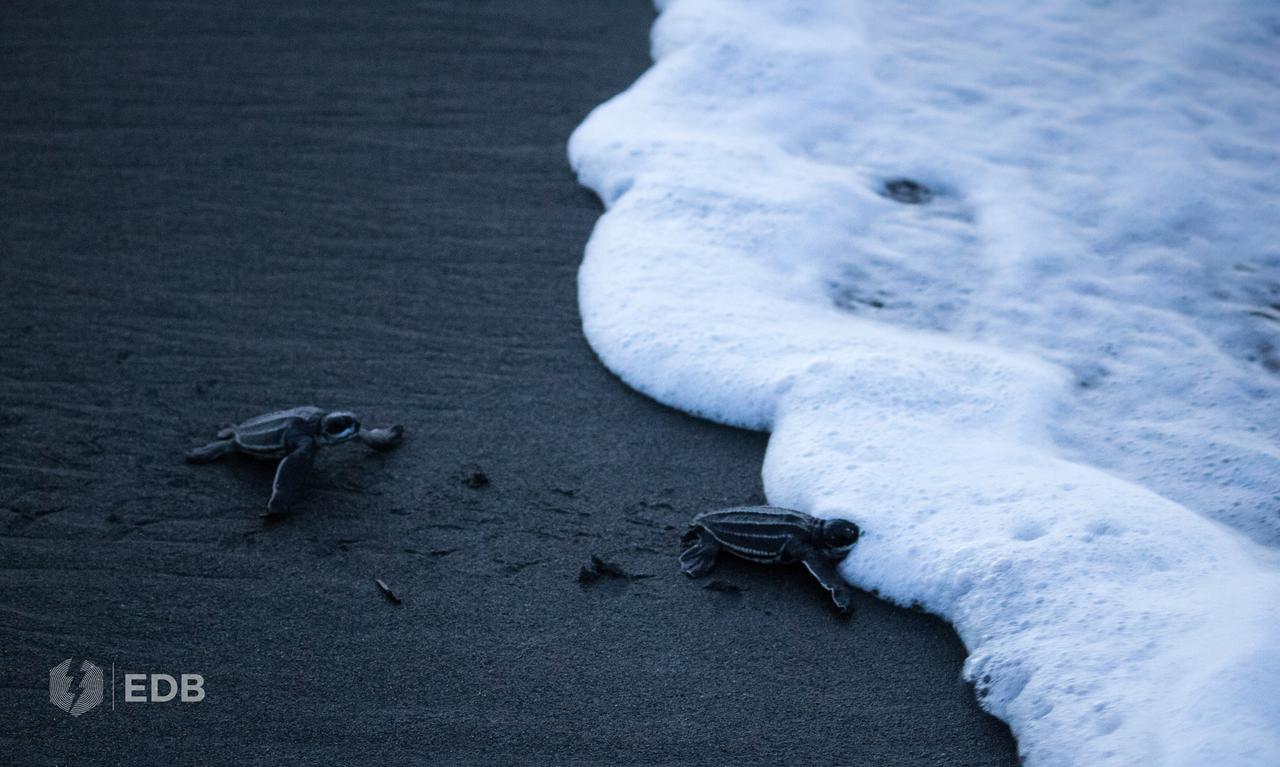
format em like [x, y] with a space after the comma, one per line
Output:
[838, 536]
[336, 428]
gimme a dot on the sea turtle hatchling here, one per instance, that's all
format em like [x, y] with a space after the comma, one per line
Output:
[294, 435]
[773, 535]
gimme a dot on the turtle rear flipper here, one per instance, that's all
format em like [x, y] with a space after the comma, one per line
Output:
[289, 476]
[211, 452]
[700, 556]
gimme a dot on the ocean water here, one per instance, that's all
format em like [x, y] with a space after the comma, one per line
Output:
[1048, 394]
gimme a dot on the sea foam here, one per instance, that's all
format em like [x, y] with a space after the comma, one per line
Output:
[1049, 394]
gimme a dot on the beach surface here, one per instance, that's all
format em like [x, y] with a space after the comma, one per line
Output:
[214, 210]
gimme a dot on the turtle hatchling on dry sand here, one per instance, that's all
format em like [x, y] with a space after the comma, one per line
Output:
[773, 535]
[294, 435]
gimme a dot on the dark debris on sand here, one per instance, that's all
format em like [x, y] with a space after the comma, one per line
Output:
[387, 592]
[596, 568]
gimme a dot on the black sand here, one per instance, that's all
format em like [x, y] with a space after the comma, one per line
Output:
[209, 209]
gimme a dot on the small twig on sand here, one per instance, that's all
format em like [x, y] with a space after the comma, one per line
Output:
[391, 596]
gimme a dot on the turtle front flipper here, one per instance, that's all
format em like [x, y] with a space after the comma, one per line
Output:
[381, 439]
[289, 476]
[825, 571]
[211, 452]
[700, 557]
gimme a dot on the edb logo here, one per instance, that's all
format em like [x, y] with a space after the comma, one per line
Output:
[74, 698]
[81, 691]
[135, 688]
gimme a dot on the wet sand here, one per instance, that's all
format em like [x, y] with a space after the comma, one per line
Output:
[209, 210]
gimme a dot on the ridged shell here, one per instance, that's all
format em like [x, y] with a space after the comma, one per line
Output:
[264, 434]
[758, 533]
